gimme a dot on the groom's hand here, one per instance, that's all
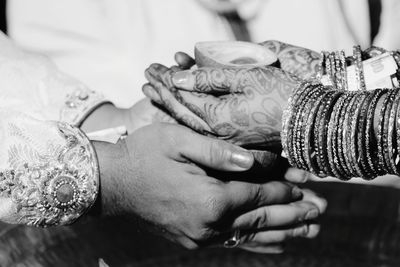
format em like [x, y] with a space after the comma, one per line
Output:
[158, 174]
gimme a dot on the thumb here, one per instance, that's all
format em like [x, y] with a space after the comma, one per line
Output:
[210, 80]
[215, 154]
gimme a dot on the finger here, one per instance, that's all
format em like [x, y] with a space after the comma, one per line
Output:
[248, 196]
[150, 92]
[295, 175]
[208, 107]
[211, 80]
[276, 216]
[276, 47]
[267, 160]
[184, 61]
[313, 198]
[265, 238]
[177, 110]
[269, 249]
[175, 68]
[214, 153]
[161, 74]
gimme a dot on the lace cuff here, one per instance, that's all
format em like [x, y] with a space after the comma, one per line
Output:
[49, 173]
[79, 105]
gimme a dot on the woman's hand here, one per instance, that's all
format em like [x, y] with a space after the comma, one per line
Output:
[241, 105]
[296, 60]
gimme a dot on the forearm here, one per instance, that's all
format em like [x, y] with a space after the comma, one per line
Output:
[103, 117]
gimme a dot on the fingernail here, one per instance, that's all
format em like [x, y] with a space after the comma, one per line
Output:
[242, 159]
[301, 231]
[304, 176]
[297, 192]
[312, 214]
[180, 78]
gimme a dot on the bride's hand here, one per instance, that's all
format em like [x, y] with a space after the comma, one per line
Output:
[241, 105]
[296, 60]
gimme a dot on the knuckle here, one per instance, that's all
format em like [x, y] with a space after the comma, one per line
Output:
[257, 193]
[169, 135]
[249, 237]
[214, 206]
[202, 235]
[300, 231]
[262, 218]
[219, 152]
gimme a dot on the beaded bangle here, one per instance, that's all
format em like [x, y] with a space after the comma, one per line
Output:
[392, 154]
[344, 140]
[297, 128]
[331, 138]
[322, 137]
[303, 132]
[380, 136]
[371, 142]
[308, 145]
[338, 148]
[385, 144]
[353, 136]
[397, 132]
[362, 137]
[359, 67]
[344, 66]
[287, 118]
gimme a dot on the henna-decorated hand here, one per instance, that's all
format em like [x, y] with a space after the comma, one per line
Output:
[241, 105]
[296, 60]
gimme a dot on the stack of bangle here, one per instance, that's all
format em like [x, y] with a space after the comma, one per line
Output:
[330, 132]
[333, 64]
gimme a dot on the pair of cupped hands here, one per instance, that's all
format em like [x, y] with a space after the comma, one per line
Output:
[242, 106]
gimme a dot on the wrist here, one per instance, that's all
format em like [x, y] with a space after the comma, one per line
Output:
[104, 117]
[113, 167]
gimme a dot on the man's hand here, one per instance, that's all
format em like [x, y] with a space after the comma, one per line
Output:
[158, 174]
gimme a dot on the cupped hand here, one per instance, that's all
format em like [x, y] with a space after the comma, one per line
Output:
[158, 174]
[241, 105]
[296, 60]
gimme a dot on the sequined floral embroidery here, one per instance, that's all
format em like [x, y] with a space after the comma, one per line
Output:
[51, 188]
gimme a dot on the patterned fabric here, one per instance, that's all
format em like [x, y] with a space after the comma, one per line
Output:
[48, 168]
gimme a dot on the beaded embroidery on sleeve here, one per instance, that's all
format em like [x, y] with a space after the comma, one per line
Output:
[48, 171]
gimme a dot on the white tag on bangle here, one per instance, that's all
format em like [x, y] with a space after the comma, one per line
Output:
[377, 72]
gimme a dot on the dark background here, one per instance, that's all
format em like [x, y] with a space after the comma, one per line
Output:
[3, 16]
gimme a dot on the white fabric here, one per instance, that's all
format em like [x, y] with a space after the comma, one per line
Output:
[32, 93]
[108, 43]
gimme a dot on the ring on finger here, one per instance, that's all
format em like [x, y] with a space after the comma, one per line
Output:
[234, 241]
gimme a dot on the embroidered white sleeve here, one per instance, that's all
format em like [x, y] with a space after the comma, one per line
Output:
[48, 171]
[32, 84]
